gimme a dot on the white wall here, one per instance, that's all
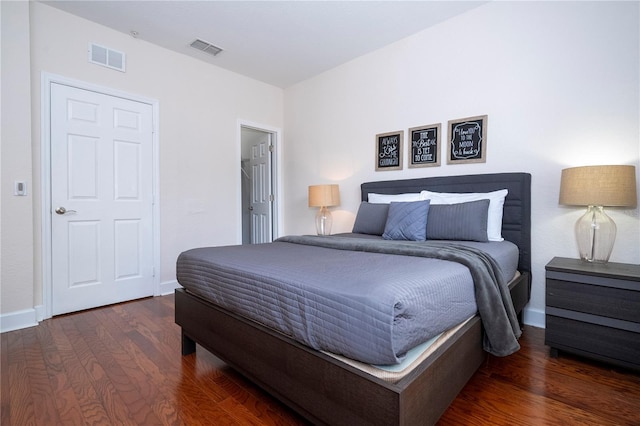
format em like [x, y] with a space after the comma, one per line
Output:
[199, 105]
[16, 242]
[559, 82]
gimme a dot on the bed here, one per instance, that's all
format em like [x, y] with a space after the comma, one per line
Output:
[325, 389]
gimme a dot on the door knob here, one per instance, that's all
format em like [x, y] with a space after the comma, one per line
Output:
[62, 210]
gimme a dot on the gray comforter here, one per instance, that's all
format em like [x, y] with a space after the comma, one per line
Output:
[500, 321]
[369, 300]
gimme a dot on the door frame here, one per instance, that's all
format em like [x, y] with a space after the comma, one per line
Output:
[47, 79]
[276, 176]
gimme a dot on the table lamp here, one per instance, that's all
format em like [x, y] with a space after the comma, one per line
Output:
[324, 196]
[597, 187]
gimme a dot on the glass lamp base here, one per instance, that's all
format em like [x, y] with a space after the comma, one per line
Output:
[323, 221]
[595, 233]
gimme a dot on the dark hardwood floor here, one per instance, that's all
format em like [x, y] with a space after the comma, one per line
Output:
[121, 365]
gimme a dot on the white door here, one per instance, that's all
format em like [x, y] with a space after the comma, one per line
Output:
[101, 198]
[261, 197]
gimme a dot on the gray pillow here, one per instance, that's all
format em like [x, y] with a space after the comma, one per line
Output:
[462, 222]
[371, 218]
[407, 221]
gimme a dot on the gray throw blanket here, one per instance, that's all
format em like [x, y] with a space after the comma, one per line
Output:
[501, 326]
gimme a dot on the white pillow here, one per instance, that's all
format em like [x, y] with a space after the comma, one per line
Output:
[396, 198]
[496, 204]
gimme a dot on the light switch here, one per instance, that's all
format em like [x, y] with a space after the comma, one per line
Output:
[20, 188]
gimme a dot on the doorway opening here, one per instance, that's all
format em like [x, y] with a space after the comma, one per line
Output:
[258, 183]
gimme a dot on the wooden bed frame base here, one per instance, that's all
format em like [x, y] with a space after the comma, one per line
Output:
[321, 388]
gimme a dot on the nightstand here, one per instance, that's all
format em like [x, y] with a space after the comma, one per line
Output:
[593, 310]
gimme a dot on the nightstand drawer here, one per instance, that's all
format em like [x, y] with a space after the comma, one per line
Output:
[593, 309]
[609, 302]
[597, 340]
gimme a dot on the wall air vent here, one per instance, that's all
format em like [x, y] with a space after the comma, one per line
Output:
[206, 47]
[106, 57]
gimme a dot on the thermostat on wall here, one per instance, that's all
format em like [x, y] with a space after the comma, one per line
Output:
[20, 187]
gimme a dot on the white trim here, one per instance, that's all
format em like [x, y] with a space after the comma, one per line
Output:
[155, 210]
[40, 311]
[276, 139]
[533, 317]
[45, 167]
[169, 287]
[18, 320]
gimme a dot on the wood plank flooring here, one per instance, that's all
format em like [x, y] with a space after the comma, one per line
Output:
[121, 365]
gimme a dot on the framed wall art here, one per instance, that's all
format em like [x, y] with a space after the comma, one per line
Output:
[389, 151]
[424, 145]
[467, 140]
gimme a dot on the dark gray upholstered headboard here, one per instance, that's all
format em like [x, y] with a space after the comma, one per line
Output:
[516, 220]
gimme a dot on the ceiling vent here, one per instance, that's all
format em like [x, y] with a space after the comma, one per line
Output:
[206, 47]
[106, 57]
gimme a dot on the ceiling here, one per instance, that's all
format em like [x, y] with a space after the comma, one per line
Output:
[277, 42]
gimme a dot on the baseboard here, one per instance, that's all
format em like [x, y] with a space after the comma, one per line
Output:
[18, 320]
[168, 287]
[40, 313]
[534, 317]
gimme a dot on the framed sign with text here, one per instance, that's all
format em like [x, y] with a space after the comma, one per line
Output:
[389, 150]
[467, 140]
[424, 146]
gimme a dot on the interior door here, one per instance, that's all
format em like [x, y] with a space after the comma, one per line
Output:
[102, 199]
[261, 201]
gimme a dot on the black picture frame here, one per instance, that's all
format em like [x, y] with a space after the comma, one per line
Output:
[424, 145]
[389, 150]
[467, 141]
